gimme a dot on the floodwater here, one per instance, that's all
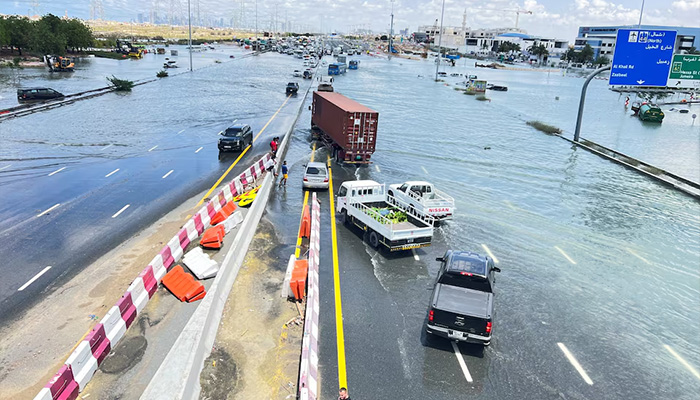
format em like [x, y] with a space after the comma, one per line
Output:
[594, 256]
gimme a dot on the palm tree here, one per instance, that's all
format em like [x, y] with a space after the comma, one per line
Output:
[540, 51]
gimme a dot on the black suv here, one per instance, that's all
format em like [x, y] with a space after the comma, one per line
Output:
[236, 138]
[37, 94]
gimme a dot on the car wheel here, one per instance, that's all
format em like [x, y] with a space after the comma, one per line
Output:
[391, 193]
[373, 239]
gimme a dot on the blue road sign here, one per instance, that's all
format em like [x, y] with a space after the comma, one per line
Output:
[642, 57]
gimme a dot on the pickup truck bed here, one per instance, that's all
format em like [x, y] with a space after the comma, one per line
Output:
[464, 301]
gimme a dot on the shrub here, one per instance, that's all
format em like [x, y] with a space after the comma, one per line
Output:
[121, 85]
[162, 73]
[542, 127]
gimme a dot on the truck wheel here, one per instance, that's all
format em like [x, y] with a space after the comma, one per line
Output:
[373, 239]
[346, 220]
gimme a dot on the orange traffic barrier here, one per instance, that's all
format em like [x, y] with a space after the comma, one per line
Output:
[224, 213]
[213, 237]
[298, 281]
[183, 286]
[305, 227]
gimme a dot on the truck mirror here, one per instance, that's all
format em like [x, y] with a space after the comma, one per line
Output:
[496, 269]
[440, 259]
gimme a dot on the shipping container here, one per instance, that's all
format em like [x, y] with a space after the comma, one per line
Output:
[344, 125]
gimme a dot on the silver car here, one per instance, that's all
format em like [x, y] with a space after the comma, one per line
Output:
[315, 176]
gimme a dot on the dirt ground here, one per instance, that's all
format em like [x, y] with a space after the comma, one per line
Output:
[258, 345]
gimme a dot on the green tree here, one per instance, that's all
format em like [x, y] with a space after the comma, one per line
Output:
[508, 47]
[78, 35]
[602, 60]
[48, 36]
[4, 33]
[540, 51]
[20, 31]
[570, 55]
[586, 54]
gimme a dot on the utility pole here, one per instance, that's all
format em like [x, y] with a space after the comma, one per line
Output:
[641, 11]
[189, 23]
[256, 23]
[391, 31]
[437, 65]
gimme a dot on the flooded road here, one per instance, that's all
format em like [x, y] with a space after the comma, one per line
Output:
[595, 257]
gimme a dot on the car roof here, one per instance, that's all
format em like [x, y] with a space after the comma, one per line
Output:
[316, 164]
[238, 126]
[467, 261]
[411, 183]
[35, 88]
[360, 183]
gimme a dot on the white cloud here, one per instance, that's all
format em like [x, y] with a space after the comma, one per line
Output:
[687, 5]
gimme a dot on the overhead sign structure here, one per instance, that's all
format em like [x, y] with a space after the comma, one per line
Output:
[642, 57]
[685, 72]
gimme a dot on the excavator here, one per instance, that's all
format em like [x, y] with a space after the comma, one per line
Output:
[128, 49]
[59, 63]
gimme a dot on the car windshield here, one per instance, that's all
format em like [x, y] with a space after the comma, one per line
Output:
[233, 132]
[315, 171]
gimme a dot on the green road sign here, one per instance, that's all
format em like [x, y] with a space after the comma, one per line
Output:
[685, 72]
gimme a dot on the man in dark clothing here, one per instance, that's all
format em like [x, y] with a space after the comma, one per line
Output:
[343, 394]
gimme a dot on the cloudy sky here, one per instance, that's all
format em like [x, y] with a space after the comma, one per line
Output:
[553, 18]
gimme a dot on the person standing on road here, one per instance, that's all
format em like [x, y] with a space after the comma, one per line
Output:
[343, 394]
[285, 170]
[273, 145]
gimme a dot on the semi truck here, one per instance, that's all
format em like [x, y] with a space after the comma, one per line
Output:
[383, 221]
[345, 126]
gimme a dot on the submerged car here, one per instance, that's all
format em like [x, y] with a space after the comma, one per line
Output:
[37, 94]
[315, 176]
[236, 138]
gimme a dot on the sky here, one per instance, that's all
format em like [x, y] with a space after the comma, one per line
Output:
[549, 18]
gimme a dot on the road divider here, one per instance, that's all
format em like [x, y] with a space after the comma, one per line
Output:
[183, 286]
[200, 264]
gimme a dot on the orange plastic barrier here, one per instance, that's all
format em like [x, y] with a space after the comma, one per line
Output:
[213, 237]
[183, 285]
[305, 227]
[224, 213]
[298, 281]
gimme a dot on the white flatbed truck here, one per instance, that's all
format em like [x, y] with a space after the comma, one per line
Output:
[366, 205]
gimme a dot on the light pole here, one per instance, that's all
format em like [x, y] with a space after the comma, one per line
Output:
[189, 23]
[437, 65]
[641, 11]
[391, 31]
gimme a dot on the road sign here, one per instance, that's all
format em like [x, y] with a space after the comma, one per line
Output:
[685, 72]
[642, 57]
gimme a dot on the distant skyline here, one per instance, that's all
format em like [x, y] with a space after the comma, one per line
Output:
[551, 18]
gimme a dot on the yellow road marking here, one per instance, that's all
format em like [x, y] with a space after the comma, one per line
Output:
[297, 252]
[339, 334]
[242, 153]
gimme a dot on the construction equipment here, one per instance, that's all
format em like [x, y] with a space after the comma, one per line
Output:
[517, 15]
[59, 63]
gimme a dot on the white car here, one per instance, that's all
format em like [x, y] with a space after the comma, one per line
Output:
[315, 176]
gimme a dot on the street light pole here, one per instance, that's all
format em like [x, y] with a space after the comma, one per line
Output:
[189, 23]
[391, 31]
[582, 101]
[641, 11]
[442, 17]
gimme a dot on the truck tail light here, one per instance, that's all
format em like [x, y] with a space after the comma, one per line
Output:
[467, 274]
[488, 327]
[431, 316]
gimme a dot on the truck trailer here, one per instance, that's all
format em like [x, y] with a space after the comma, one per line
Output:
[347, 127]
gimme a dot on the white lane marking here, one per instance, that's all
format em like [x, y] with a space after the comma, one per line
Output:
[56, 171]
[462, 364]
[58, 145]
[6, 166]
[106, 147]
[682, 361]
[377, 168]
[50, 209]
[638, 256]
[29, 282]
[415, 255]
[111, 173]
[565, 255]
[198, 149]
[152, 148]
[424, 170]
[489, 253]
[121, 211]
[168, 174]
[181, 130]
[575, 363]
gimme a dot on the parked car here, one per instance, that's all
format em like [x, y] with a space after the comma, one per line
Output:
[461, 307]
[236, 138]
[292, 88]
[315, 176]
[37, 94]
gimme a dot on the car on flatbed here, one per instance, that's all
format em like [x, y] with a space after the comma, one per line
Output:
[382, 218]
[236, 138]
[423, 196]
[461, 306]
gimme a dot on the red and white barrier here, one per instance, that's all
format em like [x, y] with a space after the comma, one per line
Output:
[82, 364]
[308, 369]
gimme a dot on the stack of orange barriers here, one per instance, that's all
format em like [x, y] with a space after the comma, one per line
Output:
[298, 281]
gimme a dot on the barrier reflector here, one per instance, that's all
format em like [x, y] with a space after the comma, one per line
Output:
[99, 344]
[149, 281]
[305, 228]
[200, 264]
[114, 325]
[182, 285]
[233, 220]
[191, 229]
[127, 309]
[213, 237]
[175, 249]
[62, 386]
[158, 268]
[139, 295]
[286, 289]
[83, 363]
[184, 237]
[167, 257]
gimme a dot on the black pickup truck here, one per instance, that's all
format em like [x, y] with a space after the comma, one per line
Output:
[461, 307]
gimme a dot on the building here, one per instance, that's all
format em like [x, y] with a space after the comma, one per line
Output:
[556, 47]
[602, 38]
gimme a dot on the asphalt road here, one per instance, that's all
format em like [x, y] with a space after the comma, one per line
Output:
[65, 202]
